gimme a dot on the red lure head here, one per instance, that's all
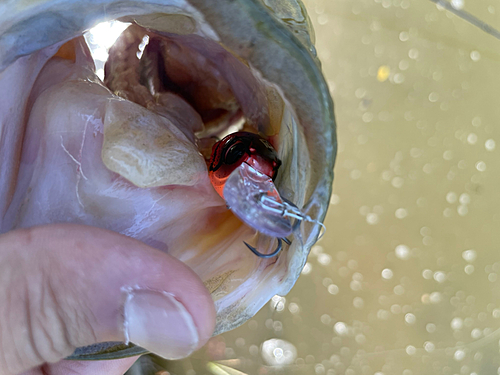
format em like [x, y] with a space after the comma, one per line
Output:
[237, 148]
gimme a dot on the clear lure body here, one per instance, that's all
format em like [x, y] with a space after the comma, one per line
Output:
[242, 169]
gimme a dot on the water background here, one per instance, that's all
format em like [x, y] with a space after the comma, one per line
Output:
[406, 280]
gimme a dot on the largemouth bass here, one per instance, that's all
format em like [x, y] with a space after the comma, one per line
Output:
[121, 156]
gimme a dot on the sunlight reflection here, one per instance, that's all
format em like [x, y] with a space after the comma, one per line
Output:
[100, 38]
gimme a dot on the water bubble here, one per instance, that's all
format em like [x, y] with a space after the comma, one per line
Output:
[462, 210]
[324, 259]
[439, 276]
[451, 197]
[476, 333]
[429, 346]
[404, 64]
[383, 314]
[397, 182]
[496, 313]
[410, 318]
[413, 53]
[293, 308]
[277, 326]
[357, 276]
[433, 97]
[399, 290]
[396, 309]
[325, 319]
[481, 166]
[427, 274]
[476, 121]
[333, 289]
[472, 138]
[387, 274]
[402, 252]
[401, 213]
[399, 78]
[448, 155]
[323, 19]
[335, 199]
[404, 36]
[319, 369]
[469, 269]
[277, 303]
[492, 277]
[456, 324]
[475, 56]
[459, 355]
[372, 218]
[367, 117]
[340, 328]
[425, 231]
[430, 327]
[469, 255]
[435, 297]
[411, 350]
[490, 144]
[386, 175]
[355, 285]
[277, 352]
[464, 198]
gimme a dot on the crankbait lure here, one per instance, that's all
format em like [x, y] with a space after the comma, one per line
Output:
[242, 169]
[237, 148]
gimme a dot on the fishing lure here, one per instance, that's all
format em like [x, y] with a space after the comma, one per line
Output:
[237, 148]
[242, 169]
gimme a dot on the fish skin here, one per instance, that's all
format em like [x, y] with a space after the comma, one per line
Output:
[250, 31]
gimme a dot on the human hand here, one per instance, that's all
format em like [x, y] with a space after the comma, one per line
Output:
[63, 286]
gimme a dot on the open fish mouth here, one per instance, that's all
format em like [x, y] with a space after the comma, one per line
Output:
[129, 153]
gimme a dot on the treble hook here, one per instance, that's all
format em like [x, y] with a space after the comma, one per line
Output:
[274, 253]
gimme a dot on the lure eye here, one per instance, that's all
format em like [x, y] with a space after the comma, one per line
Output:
[235, 152]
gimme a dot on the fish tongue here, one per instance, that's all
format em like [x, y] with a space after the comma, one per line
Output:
[147, 149]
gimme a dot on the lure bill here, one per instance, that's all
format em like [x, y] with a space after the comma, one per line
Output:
[248, 194]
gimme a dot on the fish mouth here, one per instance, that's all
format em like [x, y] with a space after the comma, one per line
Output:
[127, 161]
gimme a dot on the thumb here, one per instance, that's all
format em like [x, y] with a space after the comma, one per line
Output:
[64, 286]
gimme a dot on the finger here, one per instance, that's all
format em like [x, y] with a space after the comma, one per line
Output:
[114, 367]
[64, 286]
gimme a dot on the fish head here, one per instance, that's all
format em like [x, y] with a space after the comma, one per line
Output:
[289, 104]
